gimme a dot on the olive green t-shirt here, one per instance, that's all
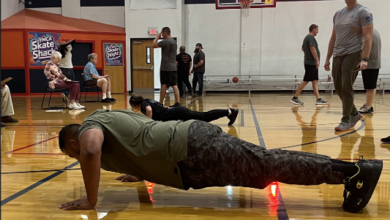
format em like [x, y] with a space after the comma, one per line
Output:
[136, 145]
[310, 40]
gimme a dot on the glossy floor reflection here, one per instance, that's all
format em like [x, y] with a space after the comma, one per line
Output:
[31, 158]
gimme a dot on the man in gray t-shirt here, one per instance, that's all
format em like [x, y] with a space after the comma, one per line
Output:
[312, 63]
[370, 75]
[168, 71]
[350, 46]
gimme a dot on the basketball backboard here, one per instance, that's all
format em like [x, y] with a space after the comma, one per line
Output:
[233, 4]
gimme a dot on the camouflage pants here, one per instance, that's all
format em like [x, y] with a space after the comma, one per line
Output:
[216, 158]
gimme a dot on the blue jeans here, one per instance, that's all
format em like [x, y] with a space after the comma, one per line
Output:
[198, 78]
[70, 75]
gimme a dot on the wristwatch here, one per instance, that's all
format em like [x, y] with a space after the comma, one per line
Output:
[366, 59]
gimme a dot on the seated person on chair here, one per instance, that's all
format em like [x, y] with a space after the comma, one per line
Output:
[92, 78]
[57, 80]
[7, 108]
[158, 112]
[197, 154]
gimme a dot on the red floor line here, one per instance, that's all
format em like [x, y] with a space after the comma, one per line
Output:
[9, 152]
[358, 159]
[41, 153]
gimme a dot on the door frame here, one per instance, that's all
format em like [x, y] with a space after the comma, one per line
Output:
[131, 57]
[124, 59]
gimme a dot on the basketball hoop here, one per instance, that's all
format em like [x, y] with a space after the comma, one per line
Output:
[245, 6]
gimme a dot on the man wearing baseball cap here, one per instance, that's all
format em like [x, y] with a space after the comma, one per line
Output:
[198, 69]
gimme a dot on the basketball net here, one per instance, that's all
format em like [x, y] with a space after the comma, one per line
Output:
[245, 7]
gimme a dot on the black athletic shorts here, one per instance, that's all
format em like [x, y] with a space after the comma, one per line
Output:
[168, 78]
[311, 73]
[91, 82]
[370, 78]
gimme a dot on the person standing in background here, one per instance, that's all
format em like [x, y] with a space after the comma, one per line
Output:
[312, 63]
[350, 46]
[199, 69]
[184, 63]
[168, 69]
[66, 64]
[370, 75]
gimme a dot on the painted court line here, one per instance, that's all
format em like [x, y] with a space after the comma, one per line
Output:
[281, 210]
[242, 118]
[35, 185]
[338, 136]
[38, 171]
[9, 152]
[61, 154]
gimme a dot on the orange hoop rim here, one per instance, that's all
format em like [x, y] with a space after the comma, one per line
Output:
[245, 3]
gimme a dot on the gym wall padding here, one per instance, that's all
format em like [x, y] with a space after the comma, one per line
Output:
[12, 49]
[18, 82]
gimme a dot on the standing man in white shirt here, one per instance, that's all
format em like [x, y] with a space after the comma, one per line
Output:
[66, 64]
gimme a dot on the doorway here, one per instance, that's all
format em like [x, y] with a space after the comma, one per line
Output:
[142, 65]
[114, 66]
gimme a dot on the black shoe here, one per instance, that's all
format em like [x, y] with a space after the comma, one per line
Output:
[9, 119]
[233, 116]
[386, 140]
[177, 104]
[106, 100]
[360, 187]
[112, 99]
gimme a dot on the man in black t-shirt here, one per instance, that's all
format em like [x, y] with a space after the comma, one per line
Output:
[183, 63]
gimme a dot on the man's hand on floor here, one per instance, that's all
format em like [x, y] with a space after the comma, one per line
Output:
[80, 204]
[127, 178]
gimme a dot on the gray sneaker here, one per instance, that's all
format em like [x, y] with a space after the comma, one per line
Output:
[296, 101]
[343, 126]
[355, 119]
[321, 102]
[365, 110]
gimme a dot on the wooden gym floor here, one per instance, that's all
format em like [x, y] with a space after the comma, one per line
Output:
[36, 177]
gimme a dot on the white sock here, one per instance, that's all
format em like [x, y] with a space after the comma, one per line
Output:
[230, 112]
[104, 96]
[109, 95]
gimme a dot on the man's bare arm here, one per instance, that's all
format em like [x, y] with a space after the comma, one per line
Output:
[149, 111]
[314, 52]
[155, 45]
[199, 64]
[91, 143]
[368, 31]
[67, 42]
